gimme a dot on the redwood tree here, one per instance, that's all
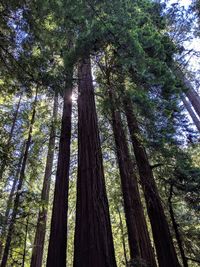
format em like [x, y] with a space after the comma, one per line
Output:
[38, 247]
[139, 240]
[93, 245]
[58, 234]
[162, 238]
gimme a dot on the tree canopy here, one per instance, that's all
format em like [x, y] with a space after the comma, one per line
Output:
[99, 133]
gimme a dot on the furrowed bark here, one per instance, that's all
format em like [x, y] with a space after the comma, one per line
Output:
[58, 234]
[19, 188]
[93, 245]
[162, 238]
[38, 247]
[138, 236]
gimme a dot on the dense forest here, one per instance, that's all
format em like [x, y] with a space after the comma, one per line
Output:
[99, 133]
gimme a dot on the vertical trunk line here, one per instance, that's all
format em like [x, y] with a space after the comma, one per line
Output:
[93, 244]
[191, 112]
[139, 240]
[58, 233]
[194, 98]
[122, 235]
[25, 241]
[176, 230]
[163, 241]
[38, 247]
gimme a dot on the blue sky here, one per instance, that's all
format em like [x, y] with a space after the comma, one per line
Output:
[194, 63]
[185, 3]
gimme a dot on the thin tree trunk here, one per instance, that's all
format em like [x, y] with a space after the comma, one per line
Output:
[176, 230]
[194, 98]
[191, 112]
[163, 241]
[19, 188]
[58, 235]
[139, 240]
[9, 202]
[5, 158]
[123, 239]
[25, 242]
[192, 95]
[38, 247]
[93, 245]
[128, 187]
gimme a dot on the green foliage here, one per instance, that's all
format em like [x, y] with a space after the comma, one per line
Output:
[129, 41]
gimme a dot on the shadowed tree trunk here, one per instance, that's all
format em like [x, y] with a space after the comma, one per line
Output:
[123, 239]
[38, 247]
[194, 98]
[25, 242]
[58, 235]
[93, 236]
[191, 112]
[176, 230]
[192, 95]
[10, 200]
[5, 158]
[163, 241]
[126, 174]
[139, 241]
[19, 188]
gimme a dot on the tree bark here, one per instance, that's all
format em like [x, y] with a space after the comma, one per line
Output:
[138, 236]
[58, 235]
[191, 112]
[176, 230]
[123, 239]
[163, 241]
[25, 241]
[93, 245]
[5, 158]
[193, 97]
[19, 188]
[38, 247]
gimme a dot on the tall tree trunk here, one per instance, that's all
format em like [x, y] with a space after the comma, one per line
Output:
[176, 230]
[194, 98]
[25, 242]
[93, 245]
[10, 200]
[192, 95]
[38, 247]
[5, 158]
[122, 234]
[58, 235]
[191, 112]
[139, 241]
[19, 188]
[163, 241]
